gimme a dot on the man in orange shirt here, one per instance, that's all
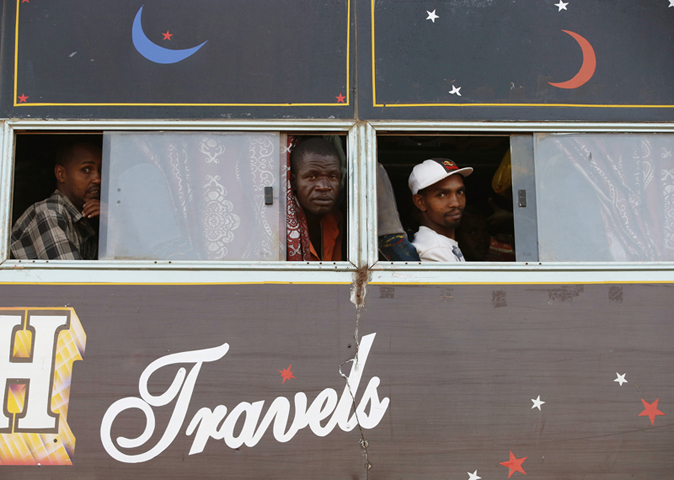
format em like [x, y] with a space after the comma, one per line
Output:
[315, 234]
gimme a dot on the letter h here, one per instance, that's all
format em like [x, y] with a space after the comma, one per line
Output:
[36, 371]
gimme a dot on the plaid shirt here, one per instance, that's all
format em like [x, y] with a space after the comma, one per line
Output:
[53, 229]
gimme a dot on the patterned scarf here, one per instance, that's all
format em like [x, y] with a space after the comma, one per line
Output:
[297, 231]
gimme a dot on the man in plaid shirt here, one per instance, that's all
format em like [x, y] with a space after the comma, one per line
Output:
[59, 228]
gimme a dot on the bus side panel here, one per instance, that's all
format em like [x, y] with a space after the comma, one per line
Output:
[243, 381]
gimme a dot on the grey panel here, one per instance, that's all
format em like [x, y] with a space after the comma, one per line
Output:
[524, 197]
[459, 364]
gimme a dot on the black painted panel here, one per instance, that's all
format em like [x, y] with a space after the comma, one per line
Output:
[503, 56]
[260, 59]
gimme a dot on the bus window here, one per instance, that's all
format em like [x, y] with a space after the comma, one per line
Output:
[316, 192]
[38, 209]
[605, 197]
[486, 231]
[192, 196]
[207, 196]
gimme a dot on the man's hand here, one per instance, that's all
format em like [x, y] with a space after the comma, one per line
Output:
[92, 209]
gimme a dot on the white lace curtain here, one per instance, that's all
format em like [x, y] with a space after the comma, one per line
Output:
[192, 196]
[605, 197]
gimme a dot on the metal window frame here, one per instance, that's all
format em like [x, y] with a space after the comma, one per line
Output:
[518, 272]
[362, 228]
[183, 272]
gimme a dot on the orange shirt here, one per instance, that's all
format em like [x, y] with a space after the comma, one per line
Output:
[331, 239]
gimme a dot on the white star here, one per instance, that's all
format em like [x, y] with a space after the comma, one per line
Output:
[473, 476]
[431, 16]
[562, 6]
[455, 90]
[671, 3]
[537, 402]
[621, 378]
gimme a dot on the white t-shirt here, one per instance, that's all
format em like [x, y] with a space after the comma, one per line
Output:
[433, 247]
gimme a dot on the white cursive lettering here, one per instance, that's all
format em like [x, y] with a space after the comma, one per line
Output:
[325, 412]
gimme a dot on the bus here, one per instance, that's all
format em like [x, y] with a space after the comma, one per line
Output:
[548, 355]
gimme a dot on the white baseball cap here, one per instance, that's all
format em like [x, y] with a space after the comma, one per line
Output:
[432, 171]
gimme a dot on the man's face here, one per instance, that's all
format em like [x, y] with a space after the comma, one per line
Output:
[443, 203]
[316, 183]
[80, 178]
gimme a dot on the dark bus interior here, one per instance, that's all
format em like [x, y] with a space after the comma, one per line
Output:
[34, 177]
[34, 166]
[485, 153]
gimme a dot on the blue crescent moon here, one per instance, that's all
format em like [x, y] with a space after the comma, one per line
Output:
[153, 52]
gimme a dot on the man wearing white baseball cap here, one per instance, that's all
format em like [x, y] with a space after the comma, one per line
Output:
[439, 194]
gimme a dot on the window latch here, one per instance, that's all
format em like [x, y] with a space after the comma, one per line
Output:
[268, 195]
[521, 198]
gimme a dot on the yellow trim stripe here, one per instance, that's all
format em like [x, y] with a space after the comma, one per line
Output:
[180, 104]
[348, 51]
[607, 282]
[374, 76]
[183, 284]
[16, 53]
[375, 283]
[582, 105]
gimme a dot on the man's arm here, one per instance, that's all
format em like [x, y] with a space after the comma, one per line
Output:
[48, 238]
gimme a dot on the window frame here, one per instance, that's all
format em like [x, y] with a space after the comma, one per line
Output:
[10, 128]
[362, 234]
[511, 272]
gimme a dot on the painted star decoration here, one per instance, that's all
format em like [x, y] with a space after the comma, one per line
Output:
[23, 97]
[537, 403]
[431, 16]
[514, 464]
[620, 379]
[473, 476]
[340, 98]
[671, 3]
[650, 410]
[167, 35]
[286, 374]
[455, 90]
[561, 5]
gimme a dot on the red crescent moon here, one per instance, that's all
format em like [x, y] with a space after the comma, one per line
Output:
[586, 70]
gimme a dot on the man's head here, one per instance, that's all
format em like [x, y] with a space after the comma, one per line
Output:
[78, 172]
[438, 192]
[316, 176]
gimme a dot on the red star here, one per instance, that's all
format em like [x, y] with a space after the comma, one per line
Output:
[167, 35]
[25, 1]
[650, 410]
[286, 374]
[514, 464]
[340, 98]
[23, 98]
